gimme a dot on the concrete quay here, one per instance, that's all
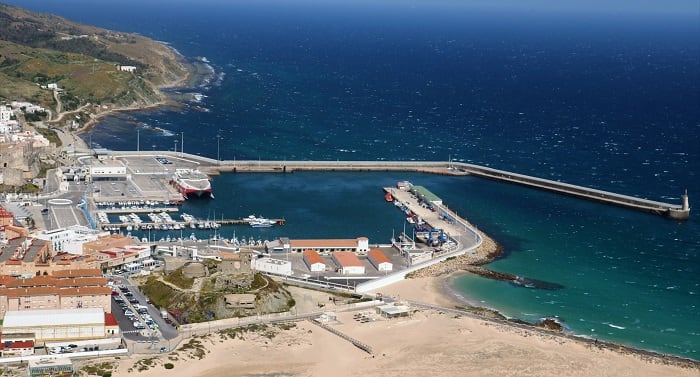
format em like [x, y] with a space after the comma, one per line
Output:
[214, 167]
[462, 236]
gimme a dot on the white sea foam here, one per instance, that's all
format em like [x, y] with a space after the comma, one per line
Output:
[616, 326]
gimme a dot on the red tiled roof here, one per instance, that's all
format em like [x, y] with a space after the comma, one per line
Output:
[347, 259]
[378, 256]
[5, 279]
[312, 257]
[46, 291]
[31, 282]
[110, 320]
[81, 282]
[84, 272]
[15, 345]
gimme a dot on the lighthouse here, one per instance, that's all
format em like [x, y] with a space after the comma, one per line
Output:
[682, 212]
[686, 205]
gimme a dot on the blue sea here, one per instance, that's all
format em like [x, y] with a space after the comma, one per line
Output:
[597, 93]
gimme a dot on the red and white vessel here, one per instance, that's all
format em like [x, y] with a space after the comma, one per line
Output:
[192, 182]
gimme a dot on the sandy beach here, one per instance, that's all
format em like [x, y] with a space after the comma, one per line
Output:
[427, 343]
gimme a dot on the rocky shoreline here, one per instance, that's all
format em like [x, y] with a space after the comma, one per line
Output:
[172, 93]
[486, 253]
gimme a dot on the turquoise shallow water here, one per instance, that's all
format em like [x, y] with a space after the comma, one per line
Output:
[612, 106]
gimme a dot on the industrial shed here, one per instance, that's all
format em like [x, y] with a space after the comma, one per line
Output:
[314, 261]
[348, 263]
[60, 324]
[380, 261]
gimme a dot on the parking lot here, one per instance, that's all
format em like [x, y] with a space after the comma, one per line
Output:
[137, 317]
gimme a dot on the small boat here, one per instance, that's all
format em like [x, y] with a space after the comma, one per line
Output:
[261, 223]
[388, 197]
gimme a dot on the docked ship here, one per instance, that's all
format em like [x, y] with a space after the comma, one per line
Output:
[262, 223]
[192, 182]
[259, 222]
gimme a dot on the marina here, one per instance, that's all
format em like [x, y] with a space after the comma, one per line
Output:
[157, 222]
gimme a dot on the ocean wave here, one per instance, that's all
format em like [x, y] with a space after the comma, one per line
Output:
[616, 326]
[219, 79]
[166, 132]
[197, 97]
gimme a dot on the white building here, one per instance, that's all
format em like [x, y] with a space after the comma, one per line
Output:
[358, 245]
[50, 325]
[314, 261]
[29, 107]
[102, 170]
[70, 239]
[5, 114]
[393, 311]
[348, 263]
[273, 266]
[52, 86]
[379, 260]
[127, 68]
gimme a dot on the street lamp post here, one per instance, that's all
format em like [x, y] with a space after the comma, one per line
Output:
[176, 146]
[218, 155]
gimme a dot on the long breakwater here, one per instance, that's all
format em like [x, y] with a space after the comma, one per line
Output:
[673, 211]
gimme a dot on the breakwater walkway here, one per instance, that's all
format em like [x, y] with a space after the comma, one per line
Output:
[673, 211]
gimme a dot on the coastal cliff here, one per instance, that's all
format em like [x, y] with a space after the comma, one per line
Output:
[62, 65]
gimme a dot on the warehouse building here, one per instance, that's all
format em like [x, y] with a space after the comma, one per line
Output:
[60, 324]
[324, 246]
[379, 260]
[348, 263]
[314, 261]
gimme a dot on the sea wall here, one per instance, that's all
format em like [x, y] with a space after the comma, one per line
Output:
[487, 252]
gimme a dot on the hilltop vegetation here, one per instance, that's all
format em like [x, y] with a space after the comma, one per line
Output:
[39, 49]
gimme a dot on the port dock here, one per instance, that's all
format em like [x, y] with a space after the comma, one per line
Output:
[213, 167]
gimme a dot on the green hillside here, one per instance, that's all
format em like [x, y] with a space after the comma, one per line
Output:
[39, 49]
